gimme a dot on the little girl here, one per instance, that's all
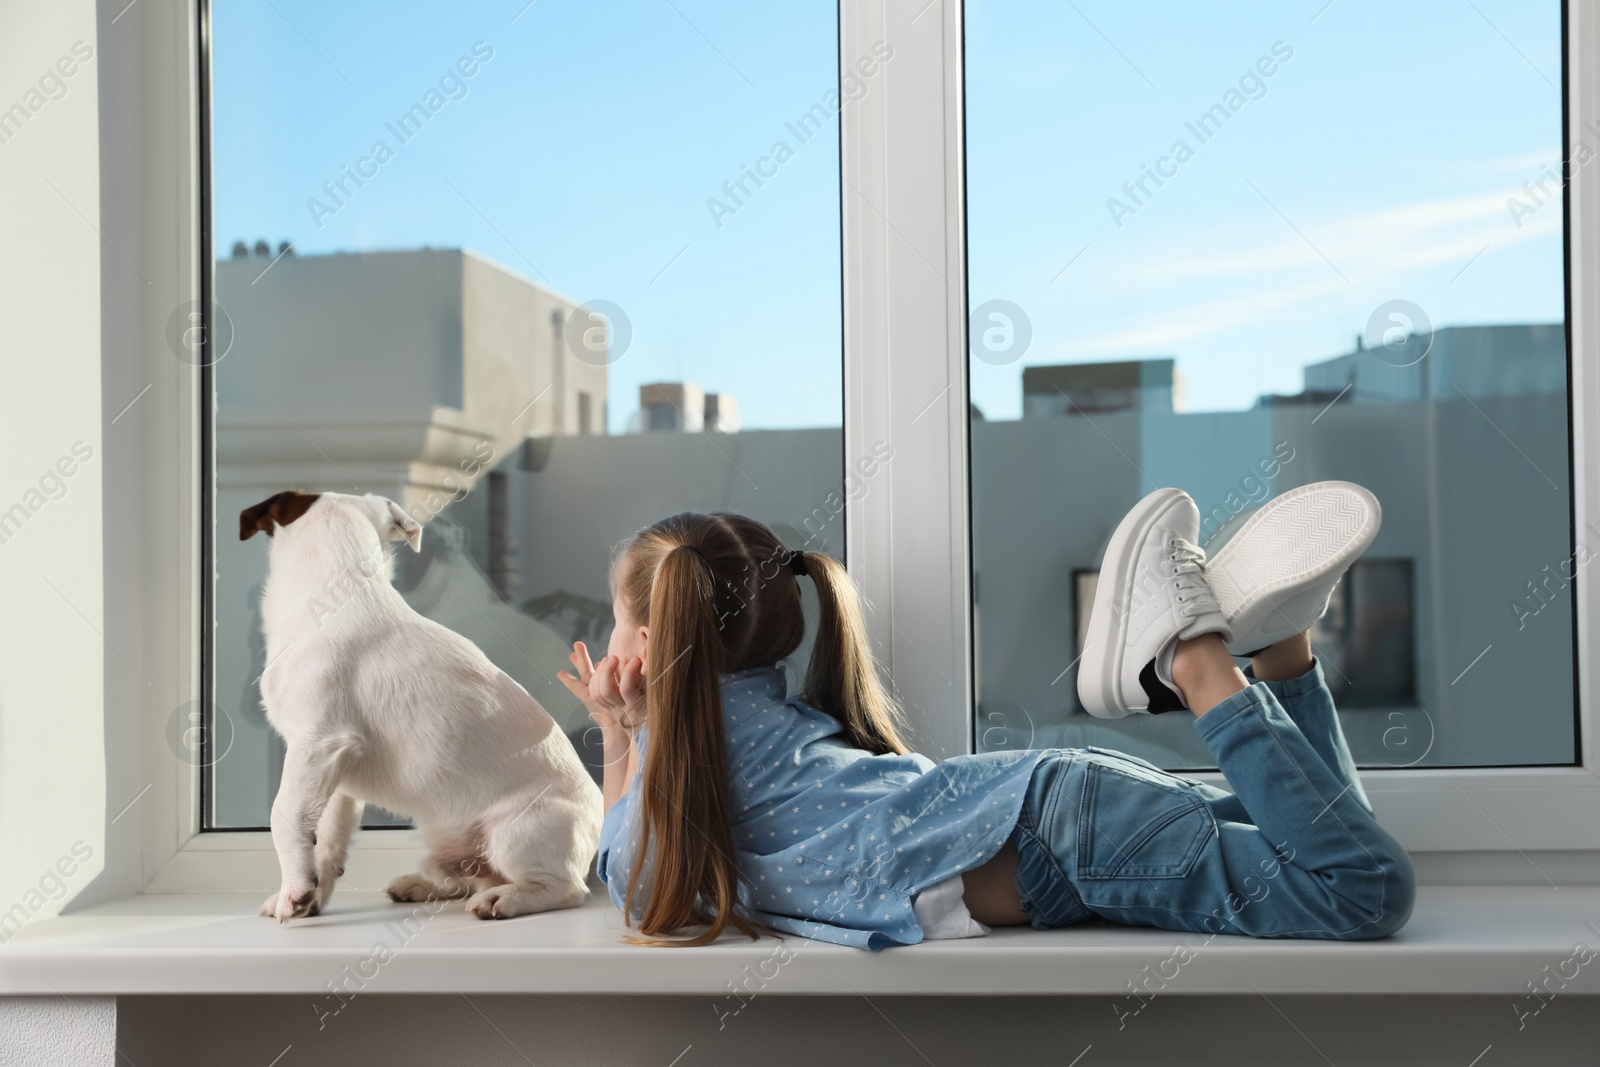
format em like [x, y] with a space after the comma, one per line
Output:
[731, 805]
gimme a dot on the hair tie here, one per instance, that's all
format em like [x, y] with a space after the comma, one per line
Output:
[797, 564]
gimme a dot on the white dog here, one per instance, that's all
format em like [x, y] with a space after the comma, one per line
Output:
[379, 704]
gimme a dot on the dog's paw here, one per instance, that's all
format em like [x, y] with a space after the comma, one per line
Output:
[413, 889]
[289, 904]
[497, 902]
[506, 901]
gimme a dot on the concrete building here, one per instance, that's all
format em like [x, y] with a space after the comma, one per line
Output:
[520, 563]
[418, 375]
[722, 413]
[684, 407]
[672, 407]
[1467, 451]
[1455, 361]
[402, 364]
[1062, 390]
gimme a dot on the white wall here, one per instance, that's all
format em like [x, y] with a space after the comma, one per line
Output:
[53, 661]
[56, 1032]
[513, 352]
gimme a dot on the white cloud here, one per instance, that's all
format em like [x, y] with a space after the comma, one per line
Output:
[1374, 243]
[1525, 166]
[1378, 252]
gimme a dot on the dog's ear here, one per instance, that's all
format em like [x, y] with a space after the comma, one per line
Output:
[275, 511]
[403, 527]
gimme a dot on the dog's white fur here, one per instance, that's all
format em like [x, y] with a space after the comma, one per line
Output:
[380, 704]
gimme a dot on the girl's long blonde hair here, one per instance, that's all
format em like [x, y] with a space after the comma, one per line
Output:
[718, 595]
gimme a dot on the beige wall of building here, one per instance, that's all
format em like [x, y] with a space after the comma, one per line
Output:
[411, 372]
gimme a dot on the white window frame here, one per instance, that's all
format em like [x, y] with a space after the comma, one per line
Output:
[905, 342]
[908, 539]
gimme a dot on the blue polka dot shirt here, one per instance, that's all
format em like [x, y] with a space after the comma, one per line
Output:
[833, 841]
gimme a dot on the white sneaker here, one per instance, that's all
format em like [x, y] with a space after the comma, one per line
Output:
[1151, 592]
[1274, 577]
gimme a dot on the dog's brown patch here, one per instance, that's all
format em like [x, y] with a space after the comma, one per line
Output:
[468, 860]
[275, 511]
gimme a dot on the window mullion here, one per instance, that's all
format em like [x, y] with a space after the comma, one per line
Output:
[905, 357]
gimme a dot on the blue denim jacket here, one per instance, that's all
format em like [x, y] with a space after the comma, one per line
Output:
[833, 841]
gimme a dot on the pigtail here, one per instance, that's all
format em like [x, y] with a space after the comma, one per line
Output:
[842, 678]
[685, 785]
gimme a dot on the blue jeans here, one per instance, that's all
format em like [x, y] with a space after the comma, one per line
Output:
[1293, 851]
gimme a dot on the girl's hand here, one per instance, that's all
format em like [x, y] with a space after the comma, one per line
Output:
[601, 687]
[618, 688]
[613, 691]
[578, 684]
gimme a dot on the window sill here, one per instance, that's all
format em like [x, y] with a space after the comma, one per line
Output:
[1462, 939]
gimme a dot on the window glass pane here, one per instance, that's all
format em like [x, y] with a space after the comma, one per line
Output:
[542, 275]
[1244, 248]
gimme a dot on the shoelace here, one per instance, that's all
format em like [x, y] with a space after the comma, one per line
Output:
[1194, 595]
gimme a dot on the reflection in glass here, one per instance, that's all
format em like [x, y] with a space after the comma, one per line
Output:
[483, 261]
[1240, 251]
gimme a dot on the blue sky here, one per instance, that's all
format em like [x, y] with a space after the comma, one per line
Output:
[586, 150]
[1375, 166]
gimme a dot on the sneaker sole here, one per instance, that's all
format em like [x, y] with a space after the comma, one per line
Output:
[1100, 676]
[1303, 536]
